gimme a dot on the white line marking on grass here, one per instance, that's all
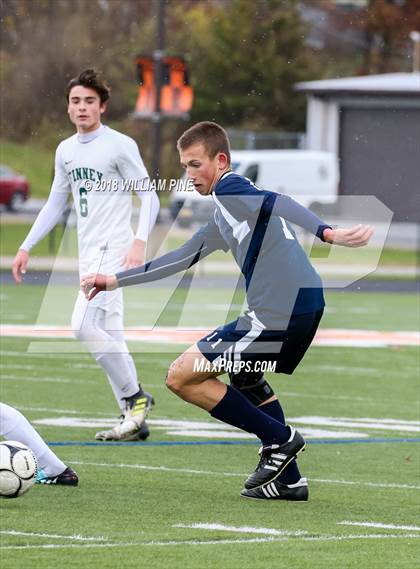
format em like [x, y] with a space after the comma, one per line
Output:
[82, 366]
[148, 543]
[212, 542]
[69, 411]
[369, 484]
[379, 525]
[345, 369]
[53, 536]
[156, 468]
[19, 366]
[39, 379]
[179, 335]
[380, 424]
[241, 529]
[328, 397]
[241, 474]
[312, 427]
[43, 355]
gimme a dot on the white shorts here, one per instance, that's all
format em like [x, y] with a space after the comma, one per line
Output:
[107, 262]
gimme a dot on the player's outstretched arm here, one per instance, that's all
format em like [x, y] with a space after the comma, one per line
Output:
[202, 243]
[356, 236]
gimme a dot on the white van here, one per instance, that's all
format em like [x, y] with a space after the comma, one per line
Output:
[310, 177]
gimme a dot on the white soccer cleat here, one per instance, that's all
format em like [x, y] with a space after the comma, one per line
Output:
[132, 423]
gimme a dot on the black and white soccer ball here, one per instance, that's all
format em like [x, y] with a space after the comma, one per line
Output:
[18, 468]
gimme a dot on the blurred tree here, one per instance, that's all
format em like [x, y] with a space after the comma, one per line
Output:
[246, 56]
[46, 42]
[387, 24]
[352, 39]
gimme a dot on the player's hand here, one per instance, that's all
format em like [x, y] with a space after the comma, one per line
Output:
[19, 265]
[92, 284]
[357, 236]
[135, 255]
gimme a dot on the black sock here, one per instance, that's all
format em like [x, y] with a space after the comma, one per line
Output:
[236, 410]
[290, 474]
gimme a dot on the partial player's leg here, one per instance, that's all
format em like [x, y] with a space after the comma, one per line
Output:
[259, 392]
[295, 341]
[142, 399]
[14, 426]
[90, 323]
[202, 388]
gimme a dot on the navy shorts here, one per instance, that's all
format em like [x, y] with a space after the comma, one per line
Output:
[248, 341]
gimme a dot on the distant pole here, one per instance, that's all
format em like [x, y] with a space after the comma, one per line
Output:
[157, 58]
[415, 38]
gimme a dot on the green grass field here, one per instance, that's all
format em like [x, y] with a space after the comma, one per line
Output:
[14, 233]
[177, 505]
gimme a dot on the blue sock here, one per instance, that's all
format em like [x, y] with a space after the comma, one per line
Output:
[275, 410]
[290, 474]
[236, 410]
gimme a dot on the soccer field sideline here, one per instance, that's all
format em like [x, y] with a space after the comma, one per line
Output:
[174, 335]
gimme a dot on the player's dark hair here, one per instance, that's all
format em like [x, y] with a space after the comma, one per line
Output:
[90, 79]
[213, 137]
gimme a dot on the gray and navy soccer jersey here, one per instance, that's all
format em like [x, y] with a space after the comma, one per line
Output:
[279, 278]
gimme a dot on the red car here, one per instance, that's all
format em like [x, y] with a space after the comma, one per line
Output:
[14, 188]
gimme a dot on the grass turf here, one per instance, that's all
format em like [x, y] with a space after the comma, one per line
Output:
[131, 498]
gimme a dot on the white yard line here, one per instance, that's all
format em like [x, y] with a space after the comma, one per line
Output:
[190, 334]
[347, 422]
[240, 529]
[344, 369]
[21, 366]
[369, 484]
[39, 379]
[156, 468]
[328, 397]
[239, 474]
[68, 411]
[53, 536]
[213, 542]
[379, 525]
[27, 354]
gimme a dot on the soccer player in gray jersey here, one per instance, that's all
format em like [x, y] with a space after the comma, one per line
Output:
[95, 165]
[285, 305]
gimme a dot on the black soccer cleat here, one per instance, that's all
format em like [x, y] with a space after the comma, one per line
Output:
[274, 459]
[276, 490]
[66, 478]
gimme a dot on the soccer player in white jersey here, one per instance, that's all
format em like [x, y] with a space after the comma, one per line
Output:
[51, 470]
[97, 165]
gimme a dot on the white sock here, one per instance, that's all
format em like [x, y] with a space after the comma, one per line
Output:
[102, 333]
[14, 426]
[117, 395]
[119, 372]
[119, 336]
